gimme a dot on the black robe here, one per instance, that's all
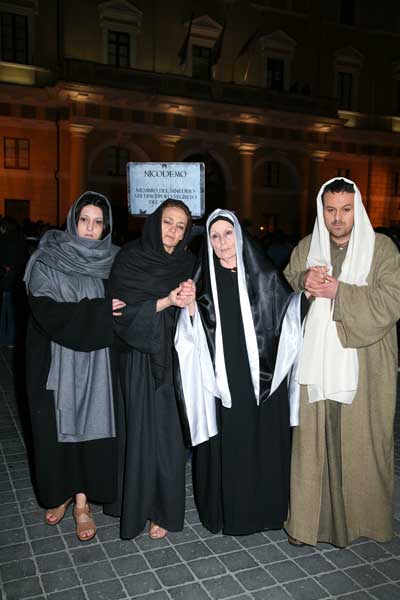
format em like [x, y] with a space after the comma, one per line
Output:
[241, 475]
[152, 455]
[62, 469]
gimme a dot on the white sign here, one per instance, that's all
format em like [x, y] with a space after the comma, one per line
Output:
[149, 184]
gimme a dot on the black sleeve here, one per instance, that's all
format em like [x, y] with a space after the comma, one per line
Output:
[140, 326]
[82, 326]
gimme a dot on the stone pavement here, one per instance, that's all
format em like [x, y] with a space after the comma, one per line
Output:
[43, 562]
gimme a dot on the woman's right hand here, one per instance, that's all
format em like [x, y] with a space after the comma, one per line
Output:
[181, 296]
[184, 294]
[188, 291]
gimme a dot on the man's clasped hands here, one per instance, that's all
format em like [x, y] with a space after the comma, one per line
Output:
[319, 283]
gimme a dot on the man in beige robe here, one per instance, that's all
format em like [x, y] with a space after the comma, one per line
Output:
[342, 471]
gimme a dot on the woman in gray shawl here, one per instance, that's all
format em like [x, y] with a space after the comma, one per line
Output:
[68, 364]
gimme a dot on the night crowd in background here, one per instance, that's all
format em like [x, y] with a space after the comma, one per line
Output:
[261, 359]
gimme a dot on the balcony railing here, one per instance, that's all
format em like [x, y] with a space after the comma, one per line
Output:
[165, 84]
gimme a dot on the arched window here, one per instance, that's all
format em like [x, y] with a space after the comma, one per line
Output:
[348, 64]
[17, 31]
[120, 23]
[197, 49]
[278, 50]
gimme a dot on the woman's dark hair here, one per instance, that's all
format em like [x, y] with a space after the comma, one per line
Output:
[100, 202]
[171, 202]
[337, 186]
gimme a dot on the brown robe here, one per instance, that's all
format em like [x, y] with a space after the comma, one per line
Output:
[357, 439]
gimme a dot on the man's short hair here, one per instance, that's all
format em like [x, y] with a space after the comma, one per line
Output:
[337, 186]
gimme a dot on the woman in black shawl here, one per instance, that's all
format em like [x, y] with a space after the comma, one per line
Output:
[151, 276]
[68, 364]
[242, 453]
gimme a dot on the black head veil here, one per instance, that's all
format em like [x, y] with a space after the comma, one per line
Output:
[144, 269]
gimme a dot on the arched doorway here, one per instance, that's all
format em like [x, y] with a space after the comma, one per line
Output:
[214, 181]
[107, 174]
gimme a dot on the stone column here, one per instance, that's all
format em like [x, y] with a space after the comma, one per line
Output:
[78, 160]
[315, 182]
[167, 147]
[246, 188]
[304, 198]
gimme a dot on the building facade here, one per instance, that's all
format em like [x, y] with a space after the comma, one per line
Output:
[274, 96]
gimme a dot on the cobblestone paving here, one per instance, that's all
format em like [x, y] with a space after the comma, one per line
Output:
[43, 562]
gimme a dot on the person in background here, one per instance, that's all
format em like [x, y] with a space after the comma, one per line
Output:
[13, 257]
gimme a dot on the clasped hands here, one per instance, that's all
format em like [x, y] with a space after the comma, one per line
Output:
[319, 284]
[184, 294]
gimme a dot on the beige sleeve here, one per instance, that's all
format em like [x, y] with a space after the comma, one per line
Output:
[336, 309]
[295, 270]
[368, 313]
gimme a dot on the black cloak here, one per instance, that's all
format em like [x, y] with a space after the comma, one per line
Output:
[151, 450]
[241, 475]
[61, 470]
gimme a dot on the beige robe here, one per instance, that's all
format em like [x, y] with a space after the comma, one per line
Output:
[366, 320]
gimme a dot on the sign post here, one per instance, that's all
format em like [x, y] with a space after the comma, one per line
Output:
[149, 184]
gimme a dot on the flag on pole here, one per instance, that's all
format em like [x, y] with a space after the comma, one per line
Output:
[216, 50]
[249, 43]
[183, 52]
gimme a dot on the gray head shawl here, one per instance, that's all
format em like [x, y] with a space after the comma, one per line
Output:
[68, 268]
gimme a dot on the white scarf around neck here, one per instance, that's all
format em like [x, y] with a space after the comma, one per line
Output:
[329, 370]
[248, 325]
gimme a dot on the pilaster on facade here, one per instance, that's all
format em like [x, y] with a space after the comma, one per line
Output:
[247, 149]
[77, 130]
[318, 156]
[78, 159]
[304, 198]
[247, 152]
[317, 159]
[167, 147]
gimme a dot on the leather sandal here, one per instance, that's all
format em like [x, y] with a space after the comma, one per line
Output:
[84, 522]
[156, 532]
[57, 512]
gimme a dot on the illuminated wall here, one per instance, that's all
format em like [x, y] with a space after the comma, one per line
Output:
[156, 111]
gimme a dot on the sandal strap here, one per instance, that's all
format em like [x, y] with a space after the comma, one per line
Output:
[83, 511]
[84, 521]
[58, 512]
